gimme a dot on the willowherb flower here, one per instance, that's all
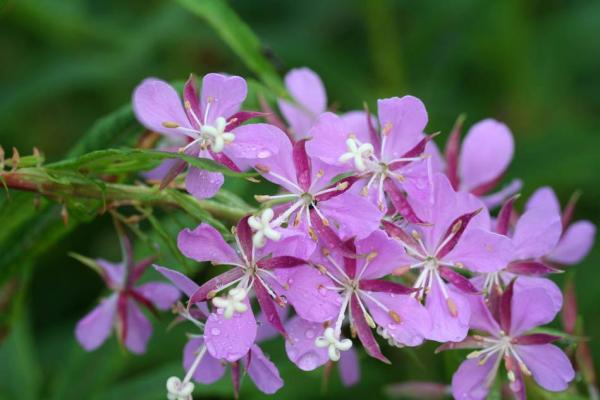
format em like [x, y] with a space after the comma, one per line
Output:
[385, 161]
[201, 366]
[478, 163]
[209, 124]
[508, 324]
[370, 301]
[576, 239]
[231, 329]
[122, 308]
[457, 236]
[313, 201]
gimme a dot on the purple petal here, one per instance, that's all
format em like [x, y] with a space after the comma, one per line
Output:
[267, 306]
[384, 253]
[549, 287]
[139, 329]
[240, 117]
[401, 205]
[205, 243]
[364, 331]
[308, 92]
[531, 307]
[93, 329]
[244, 235]
[349, 367]
[280, 262]
[450, 318]
[354, 214]
[300, 345]
[416, 151]
[468, 343]
[277, 167]
[209, 370]
[534, 268]
[327, 236]
[208, 288]
[405, 320]
[544, 198]
[113, 274]
[487, 150]
[176, 167]
[504, 216]
[459, 281]
[263, 372]
[482, 251]
[307, 292]
[550, 367]
[293, 243]
[162, 295]
[302, 165]
[230, 339]
[182, 282]
[203, 184]
[190, 95]
[481, 317]
[575, 244]
[493, 200]
[403, 121]
[156, 102]
[472, 380]
[225, 95]
[537, 232]
[253, 143]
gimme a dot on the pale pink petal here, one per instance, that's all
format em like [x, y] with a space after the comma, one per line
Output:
[414, 325]
[328, 143]
[310, 99]
[162, 295]
[182, 282]
[531, 307]
[551, 288]
[544, 198]
[203, 184]
[155, 102]
[139, 329]
[300, 345]
[445, 326]
[230, 338]
[536, 234]
[386, 255]
[205, 243]
[486, 152]
[262, 371]
[404, 120]
[549, 365]
[482, 251]
[349, 367]
[225, 95]
[209, 370]
[472, 380]
[113, 273]
[575, 244]
[254, 142]
[353, 213]
[481, 317]
[93, 329]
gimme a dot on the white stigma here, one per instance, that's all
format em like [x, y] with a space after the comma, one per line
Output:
[333, 344]
[177, 390]
[234, 302]
[357, 152]
[218, 135]
[261, 225]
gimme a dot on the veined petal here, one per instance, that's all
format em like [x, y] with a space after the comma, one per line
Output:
[355, 215]
[209, 370]
[403, 121]
[575, 244]
[531, 307]
[482, 251]
[221, 96]
[93, 329]
[381, 255]
[262, 371]
[550, 367]
[205, 243]
[300, 345]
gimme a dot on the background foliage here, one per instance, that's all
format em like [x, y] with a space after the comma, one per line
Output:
[65, 64]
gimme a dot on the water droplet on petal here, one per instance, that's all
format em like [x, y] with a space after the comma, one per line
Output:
[263, 154]
[215, 331]
[308, 361]
[309, 334]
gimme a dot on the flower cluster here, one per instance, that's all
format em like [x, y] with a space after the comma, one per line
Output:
[371, 232]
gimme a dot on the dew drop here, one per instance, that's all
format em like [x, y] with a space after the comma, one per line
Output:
[309, 334]
[322, 291]
[215, 331]
[308, 361]
[263, 154]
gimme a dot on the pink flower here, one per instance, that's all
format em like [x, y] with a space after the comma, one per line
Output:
[478, 164]
[385, 162]
[457, 236]
[210, 123]
[121, 309]
[524, 354]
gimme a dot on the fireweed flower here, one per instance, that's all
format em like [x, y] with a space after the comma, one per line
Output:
[210, 123]
[524, 354]
[231, 328]
[577, 238]
[457, 237]
[478, 163]
[370, 301]
[313, 203]
[302, 350]
[534, 235]
[121, 309]
[385, 162]
[201, 366]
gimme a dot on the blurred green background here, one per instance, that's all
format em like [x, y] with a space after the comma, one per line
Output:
[64, 64]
